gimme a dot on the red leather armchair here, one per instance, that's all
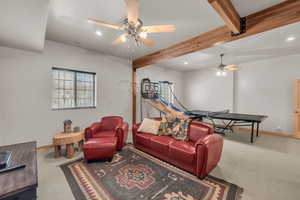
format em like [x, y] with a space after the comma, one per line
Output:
[112, 126]
[199, 155]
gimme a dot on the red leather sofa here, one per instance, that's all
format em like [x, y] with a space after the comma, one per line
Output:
[108, 127]
[199, 155]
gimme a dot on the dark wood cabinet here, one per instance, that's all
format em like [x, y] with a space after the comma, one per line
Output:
[20, 184]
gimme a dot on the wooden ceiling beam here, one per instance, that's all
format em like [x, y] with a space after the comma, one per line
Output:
[279, 15]
[228, 13]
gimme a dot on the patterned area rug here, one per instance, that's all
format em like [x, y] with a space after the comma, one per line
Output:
[133, 174]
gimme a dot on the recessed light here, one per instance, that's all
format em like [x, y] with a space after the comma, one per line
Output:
[90, 21]
[290, 39]
[185, 63]
[143, 35]
[99, 33]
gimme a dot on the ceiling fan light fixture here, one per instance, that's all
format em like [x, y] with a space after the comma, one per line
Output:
[90, 21]
[221, 72]
[143, 35]
[123, 38]
[133, 27]
[222, 69]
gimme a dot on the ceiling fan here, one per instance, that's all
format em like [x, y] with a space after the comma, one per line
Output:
[134, 28]
[222, 68]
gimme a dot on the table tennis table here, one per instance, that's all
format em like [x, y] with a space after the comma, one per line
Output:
[229, 120]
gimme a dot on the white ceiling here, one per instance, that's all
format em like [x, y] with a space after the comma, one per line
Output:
[67, 23]
[23, 23]
[247, 7]
[257, 47]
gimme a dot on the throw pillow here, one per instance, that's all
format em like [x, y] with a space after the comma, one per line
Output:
[180, 129]
[149, 126]
[165, 127]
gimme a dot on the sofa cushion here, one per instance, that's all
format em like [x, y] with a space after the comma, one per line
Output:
[161, 144]
[143, 139]
[104, 134]
[182, 150]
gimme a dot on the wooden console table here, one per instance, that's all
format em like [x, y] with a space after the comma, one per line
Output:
[68, 139]
[20, 183]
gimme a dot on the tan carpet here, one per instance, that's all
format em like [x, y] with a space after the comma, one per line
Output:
[267, 170]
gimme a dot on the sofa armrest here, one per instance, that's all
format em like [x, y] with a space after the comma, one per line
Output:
[135, 129]
[122, 133]
[94, 128]
[87, 133]
[209, 149]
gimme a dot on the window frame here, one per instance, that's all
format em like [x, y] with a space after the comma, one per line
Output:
[75, 89]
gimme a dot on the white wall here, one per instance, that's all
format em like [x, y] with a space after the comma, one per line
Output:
[266, 87]
[262, 87]
[26, 88]
[155, 74]
[203, 90]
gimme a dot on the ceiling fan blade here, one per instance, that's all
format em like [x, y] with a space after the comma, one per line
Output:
[132, 11]
[159, 28]
[147, 42]
[106, 24]
[232, 67]
[121, 39]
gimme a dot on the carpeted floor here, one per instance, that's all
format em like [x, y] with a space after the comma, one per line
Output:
[133, 174]
[267, 170]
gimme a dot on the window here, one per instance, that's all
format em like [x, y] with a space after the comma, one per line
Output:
[73, 89]
[166, 91]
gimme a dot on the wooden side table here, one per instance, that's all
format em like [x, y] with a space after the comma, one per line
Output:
[68, 139]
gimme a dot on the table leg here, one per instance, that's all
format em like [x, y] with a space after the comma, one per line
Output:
[57, 151]
[70, 150]
[80, 145]
[252, 130]
[257, 129]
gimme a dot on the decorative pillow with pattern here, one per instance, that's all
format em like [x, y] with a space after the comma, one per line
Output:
[180, 130]
[166, 127]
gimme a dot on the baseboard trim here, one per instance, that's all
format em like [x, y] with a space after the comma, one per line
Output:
[45, 147]
[266, 132]
[296, 135]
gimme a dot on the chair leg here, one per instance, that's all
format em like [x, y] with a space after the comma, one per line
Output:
[70, 151]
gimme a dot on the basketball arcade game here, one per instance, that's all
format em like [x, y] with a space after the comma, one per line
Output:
[151, 93]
